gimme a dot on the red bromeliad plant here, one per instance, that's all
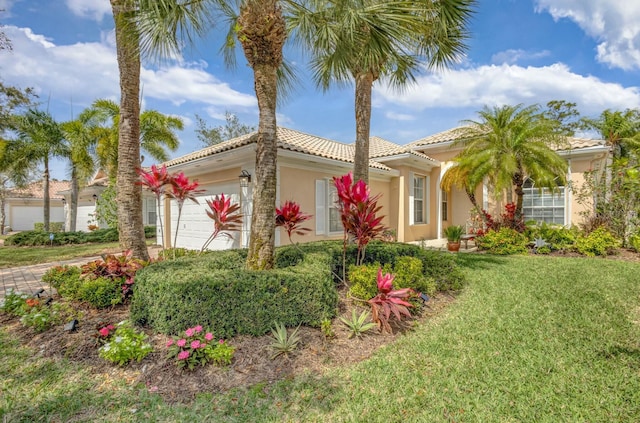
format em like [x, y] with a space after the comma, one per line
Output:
[358, 212]
[290, 218]
[225, 216]
[182, 190]
[122, 268]
[388, 302]
[155, 181]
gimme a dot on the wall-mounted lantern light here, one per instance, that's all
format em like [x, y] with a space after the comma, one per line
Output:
[95, 197]
[64, 201]
[245, 179]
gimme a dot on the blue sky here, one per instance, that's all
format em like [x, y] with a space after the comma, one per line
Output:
[520, 51]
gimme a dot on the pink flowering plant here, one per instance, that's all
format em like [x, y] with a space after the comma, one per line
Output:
[104, 332]
[199, 347]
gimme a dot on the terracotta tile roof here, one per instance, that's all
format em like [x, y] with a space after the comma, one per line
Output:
[457, 133]
[379, 148]
[35, 190]
[288, 139]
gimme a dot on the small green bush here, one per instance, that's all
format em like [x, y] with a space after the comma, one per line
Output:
[557, 237]
[64, 279]
[39, 237]
[634, 242]
[53, 226]
[505, 241]
[101, 292]
[125, 345]
[600, 242]
[216, 291]
[362, 280]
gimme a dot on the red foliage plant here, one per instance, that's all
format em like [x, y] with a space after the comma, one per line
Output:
[122, 267]
[358, 212]
[389, 302]
[225, 215]
[290, 218]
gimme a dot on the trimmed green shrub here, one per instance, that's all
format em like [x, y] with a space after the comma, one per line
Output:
[101, 292]
[634, 242]
[216, 291]
[505, 241]
[35, 238]
[53, 226]
[600, 242]
[557, 237]
[408, 271]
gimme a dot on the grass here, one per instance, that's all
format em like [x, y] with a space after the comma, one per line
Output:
[531, 339]
[21, 256]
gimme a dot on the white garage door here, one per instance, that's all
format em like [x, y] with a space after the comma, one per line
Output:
[24, 217]
[83, 217]
[196, 226]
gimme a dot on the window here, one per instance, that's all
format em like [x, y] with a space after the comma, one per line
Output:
[543, 205]
[151, 211]
[418, 195]
[445, 205]
[327, 212]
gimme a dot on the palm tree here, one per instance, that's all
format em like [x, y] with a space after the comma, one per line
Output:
[509, 144]
[367, 40]
[620, 130]
[81, 141]
[157, 133]
[41, 139]
[457, 176]
[154, 27]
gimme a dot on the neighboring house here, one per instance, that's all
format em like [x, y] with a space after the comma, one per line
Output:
[88, 197]
[407, 176]
[25, 207]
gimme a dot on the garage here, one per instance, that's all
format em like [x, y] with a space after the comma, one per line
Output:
[196, 226]
[23, 218]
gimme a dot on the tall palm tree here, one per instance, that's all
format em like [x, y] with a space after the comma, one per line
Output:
[41, 139]
[620, 130]
[457, 176]
[80, 141]
[154, 27]
[362, 41]
[509, 144]
[157, 133]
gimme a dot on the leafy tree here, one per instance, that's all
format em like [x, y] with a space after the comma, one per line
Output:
[509, 144]
[565, 115]
[362, 41]
[231, 129]
[16, 171]
[156, 28]
[41, 139]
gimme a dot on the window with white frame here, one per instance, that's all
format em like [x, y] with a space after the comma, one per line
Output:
[151, 211]
[445, 205]
[327, 213]
[543, 204]
[418, 192]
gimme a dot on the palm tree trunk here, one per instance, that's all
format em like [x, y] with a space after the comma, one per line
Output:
[364, 85]
[73, 207]
[129, 194]
[3, 214]
[45, 193]
[263, 224]
[262, 32]
[518, 181]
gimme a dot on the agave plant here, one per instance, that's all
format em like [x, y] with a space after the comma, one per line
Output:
[283, 342]
[389, 302]
[358, 324]
[225, 215]
[290, 217]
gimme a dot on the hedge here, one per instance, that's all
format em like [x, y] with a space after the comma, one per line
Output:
[216, 291]
[35, 238]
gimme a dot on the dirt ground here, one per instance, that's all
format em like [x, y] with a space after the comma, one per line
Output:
[252, 361]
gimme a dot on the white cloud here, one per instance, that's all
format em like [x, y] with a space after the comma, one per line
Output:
[5, 7]
[398, 116]
[512, 56]
[511, 84]
[93, 9]
[87, 71]
[614, 24]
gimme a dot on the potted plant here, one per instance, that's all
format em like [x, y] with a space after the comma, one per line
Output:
[453, 234]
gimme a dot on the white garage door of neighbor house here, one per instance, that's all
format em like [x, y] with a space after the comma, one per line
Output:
[23, 217]
[196, 226]
[83, 217]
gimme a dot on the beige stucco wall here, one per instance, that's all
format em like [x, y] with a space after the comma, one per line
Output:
[299, 185]
[406, 231]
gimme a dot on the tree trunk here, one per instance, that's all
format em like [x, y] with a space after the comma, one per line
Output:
[518, 181]
[45, 192]
[129, 194]
[262, 32]
[73, 207]
[3, 214]
[364, 85]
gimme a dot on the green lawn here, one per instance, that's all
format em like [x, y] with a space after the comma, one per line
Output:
[531, 339]
[20, 256]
